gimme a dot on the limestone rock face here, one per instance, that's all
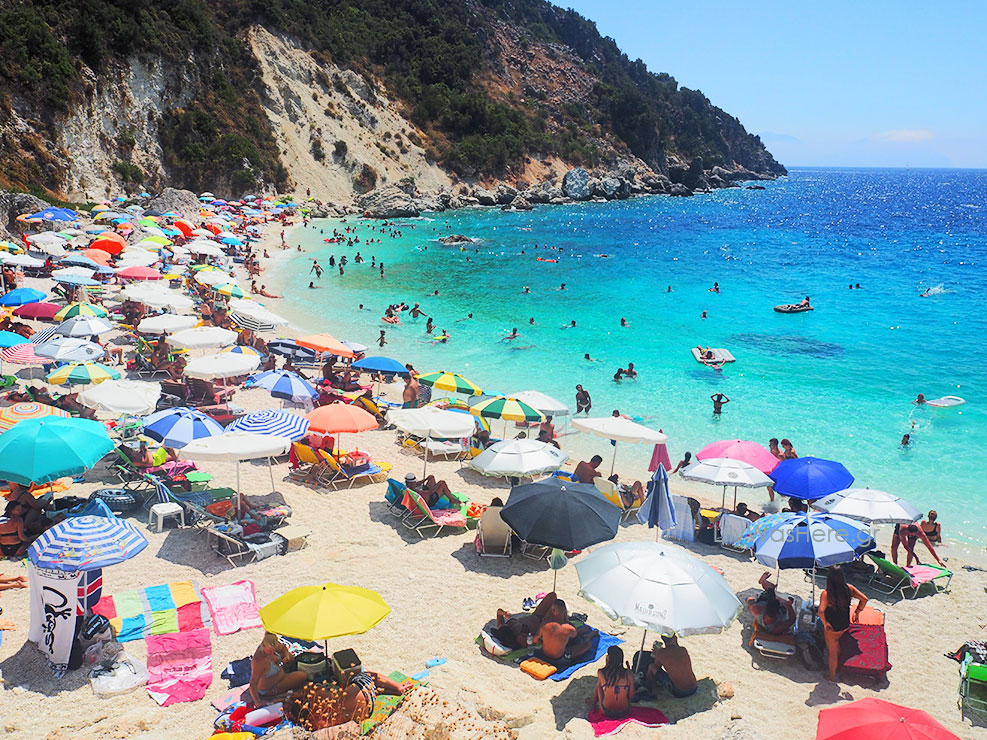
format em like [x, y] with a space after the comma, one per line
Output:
[13, 205]
[388, 202]
[576, 184]
[505, 194]
[485, 197]
[184, 202]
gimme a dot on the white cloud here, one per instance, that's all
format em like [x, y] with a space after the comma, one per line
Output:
[905, 135]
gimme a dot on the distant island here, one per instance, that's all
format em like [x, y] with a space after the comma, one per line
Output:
[381, 106]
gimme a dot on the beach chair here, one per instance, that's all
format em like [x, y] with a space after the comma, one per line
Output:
[395, 498]
[342, 474]
[732, 527]
[610, 492]
[889, 578]
[195, 503]
[973, 686]
[428, 519]
[493, 536]
[226, 545]
[780, 647]
[306, 457]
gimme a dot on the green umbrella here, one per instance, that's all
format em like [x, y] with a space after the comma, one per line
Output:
[82, 373]
[43, 450]
[452, 382]
[509, 409]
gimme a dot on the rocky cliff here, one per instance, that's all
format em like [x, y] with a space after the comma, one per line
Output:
[442, 102]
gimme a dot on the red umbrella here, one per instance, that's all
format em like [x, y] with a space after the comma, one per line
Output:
[139, 273]
[875, 719]
[110, 246]
[40, 310]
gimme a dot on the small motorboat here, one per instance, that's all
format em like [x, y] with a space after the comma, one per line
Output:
[792, 308]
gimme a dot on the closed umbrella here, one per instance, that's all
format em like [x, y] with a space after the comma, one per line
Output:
[69, 349]
[723, 471]
[558, 513]
[740, 449]
[165, 323]
[868, 505]
[273, 422]
[122, 397]
[285, 384]
[84, 326]
[324, 612]
[87, 543]
[876, 719]
[25, 411]
[223, 365]
[619, 429]
[179, 427]
[81, 373]
[202, 337]
[657, 510]
[810, 478]
[521, 458]
[43, 450]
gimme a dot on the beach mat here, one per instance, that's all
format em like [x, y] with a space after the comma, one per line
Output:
[232, 607]
[386, 704]
[179, 666]
[516, 657]
[155, 610]
[645, 716]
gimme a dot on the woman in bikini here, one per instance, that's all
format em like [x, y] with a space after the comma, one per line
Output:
[932, 528]
[273, 671]
[834, 611]
[614, 690]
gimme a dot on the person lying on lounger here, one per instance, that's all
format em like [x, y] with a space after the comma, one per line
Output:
[317, 706]
[516, 631]
[432, 491]
[771, 613]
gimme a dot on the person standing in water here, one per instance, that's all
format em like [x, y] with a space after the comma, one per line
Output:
[381, 340]
[718, 400]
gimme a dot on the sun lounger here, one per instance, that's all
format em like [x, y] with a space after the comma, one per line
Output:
[493, 536]
[343, 474]
[776, 646]
[732, 527]
[438, 519]
[395, 498]
[973, 686]
[889, 578]
[864, 651]
[610, 492]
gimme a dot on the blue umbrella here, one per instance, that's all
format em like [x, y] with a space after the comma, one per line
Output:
[657, 509]
[78, 280]
[273, 422]
[10, 339]
[384, 365]
[179, 426]
[80, 260]
[20, 296]
[87, 543]
[231, 241]
[284, 384]
[56, 214]
[290, 348]
[758, 527]
[810, 478]
[808, 540]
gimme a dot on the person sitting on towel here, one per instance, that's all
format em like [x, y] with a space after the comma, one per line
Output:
[771, 613]
[563, 641]
[672, 668]
[517, 631]
[614, 690]
[273, 672]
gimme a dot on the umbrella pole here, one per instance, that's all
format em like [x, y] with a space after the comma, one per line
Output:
[644, 637]
[613, 462]
[425, 469]
[734, 498]
[270, 468]
[239, 504]
[555, 579]
[723, 499]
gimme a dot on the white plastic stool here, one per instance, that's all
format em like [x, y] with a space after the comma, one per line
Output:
[160, 512]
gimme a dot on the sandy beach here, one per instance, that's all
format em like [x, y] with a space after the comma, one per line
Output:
[441, 594]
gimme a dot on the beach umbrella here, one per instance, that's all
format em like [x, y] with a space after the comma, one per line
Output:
[383, 365]
[724, 471]
[21, 260]
[179, 427]
[290, 348]
[166, 323]
[232, 290]
[434, 423]
[558, 513]
[202, 337]
[23, 354]
[81, 373]
[274, 422]
[213, 276]
[46, 334]
[739, 449]
[242, 349]
[355, 346]
[40, 311]
[810, 478]
[659, 456]
[12, 339]
[20, 296]
[98, 256]
[87, 543]
[508, 409]
[876, 719]
[80, 309]
[758, 527]
[77, 281]
[85, 272]
[83, 326]
[340, 418]
[224, 365]
[619, 429]
[237, 446]
[138, 272]
[451, 382]
[324, 612]
[868, 505]
[69, 349]
[205, 248]
[25, 411]
[56, 214]
[520, 458]
[258, 319]
[286, 385]
[120, 397]
[544, 403]
[657, 509]
[80, 260]
[43, 450]
[167, 299]
[325, 343]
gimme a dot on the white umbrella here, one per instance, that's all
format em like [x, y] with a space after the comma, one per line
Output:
[70, 271]
[204, 248]
[723, 471]
[518, 458]
[20, 260]
[236, 446]
[166, 323]
[544, 403]
[657, 587]
[223, 365]
[202, 337]
[619, 429]
[69, 349]
[213, 277]
[131, 397]
[84, 326]
[432, 422]
[46, 238]
[869, 505]
[173, 300]
[138, 259]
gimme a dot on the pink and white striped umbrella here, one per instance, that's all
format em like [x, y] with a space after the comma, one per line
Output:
[23, 354]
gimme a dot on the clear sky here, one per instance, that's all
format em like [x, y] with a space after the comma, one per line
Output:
[878, 83]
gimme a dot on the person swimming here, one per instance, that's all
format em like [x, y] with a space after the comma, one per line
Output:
[512, 335]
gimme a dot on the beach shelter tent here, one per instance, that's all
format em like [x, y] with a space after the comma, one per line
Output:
[619, 429]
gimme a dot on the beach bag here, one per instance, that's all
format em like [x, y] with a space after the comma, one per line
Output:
[126, 674]
[102, 654]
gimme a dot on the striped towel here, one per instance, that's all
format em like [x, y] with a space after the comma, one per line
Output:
[156, 610]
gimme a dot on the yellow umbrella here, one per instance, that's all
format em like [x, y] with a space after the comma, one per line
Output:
[324, 612]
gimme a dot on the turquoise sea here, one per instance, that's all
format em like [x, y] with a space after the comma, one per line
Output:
[838, 381]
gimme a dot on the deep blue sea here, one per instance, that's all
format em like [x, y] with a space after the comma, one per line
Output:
[839, 381]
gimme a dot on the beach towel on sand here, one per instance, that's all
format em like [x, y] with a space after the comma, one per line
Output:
[565, 668]
[646, 716]
[232, 607]
[179, 666]
[156, 610]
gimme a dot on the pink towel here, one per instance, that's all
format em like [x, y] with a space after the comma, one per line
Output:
[179, 666]
[922, 574]
[232, 607]
[645, 716]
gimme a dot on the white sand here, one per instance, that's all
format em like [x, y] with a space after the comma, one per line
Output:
[441, 593]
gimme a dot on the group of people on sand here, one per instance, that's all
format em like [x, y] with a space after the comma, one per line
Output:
[25, 518]
[546, 629]
[668, 666]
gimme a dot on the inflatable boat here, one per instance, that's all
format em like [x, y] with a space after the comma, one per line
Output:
[792, 308]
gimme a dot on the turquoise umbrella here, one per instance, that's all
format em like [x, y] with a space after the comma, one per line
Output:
[43, 450]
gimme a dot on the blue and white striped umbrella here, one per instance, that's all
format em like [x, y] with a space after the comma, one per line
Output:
[40, 337]
[273, 422]
[87, 543]
[179, 426]
[290, 348]
[284, 384]
[809, 540]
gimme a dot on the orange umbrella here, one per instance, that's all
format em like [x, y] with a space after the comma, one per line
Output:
[97, 255]
[325, 343]
[214, 228]
[339, 418]
[184, 226]
[111, 236]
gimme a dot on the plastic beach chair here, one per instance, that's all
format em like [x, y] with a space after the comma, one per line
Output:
[438, 519]
[493, 536]
[889, 578]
